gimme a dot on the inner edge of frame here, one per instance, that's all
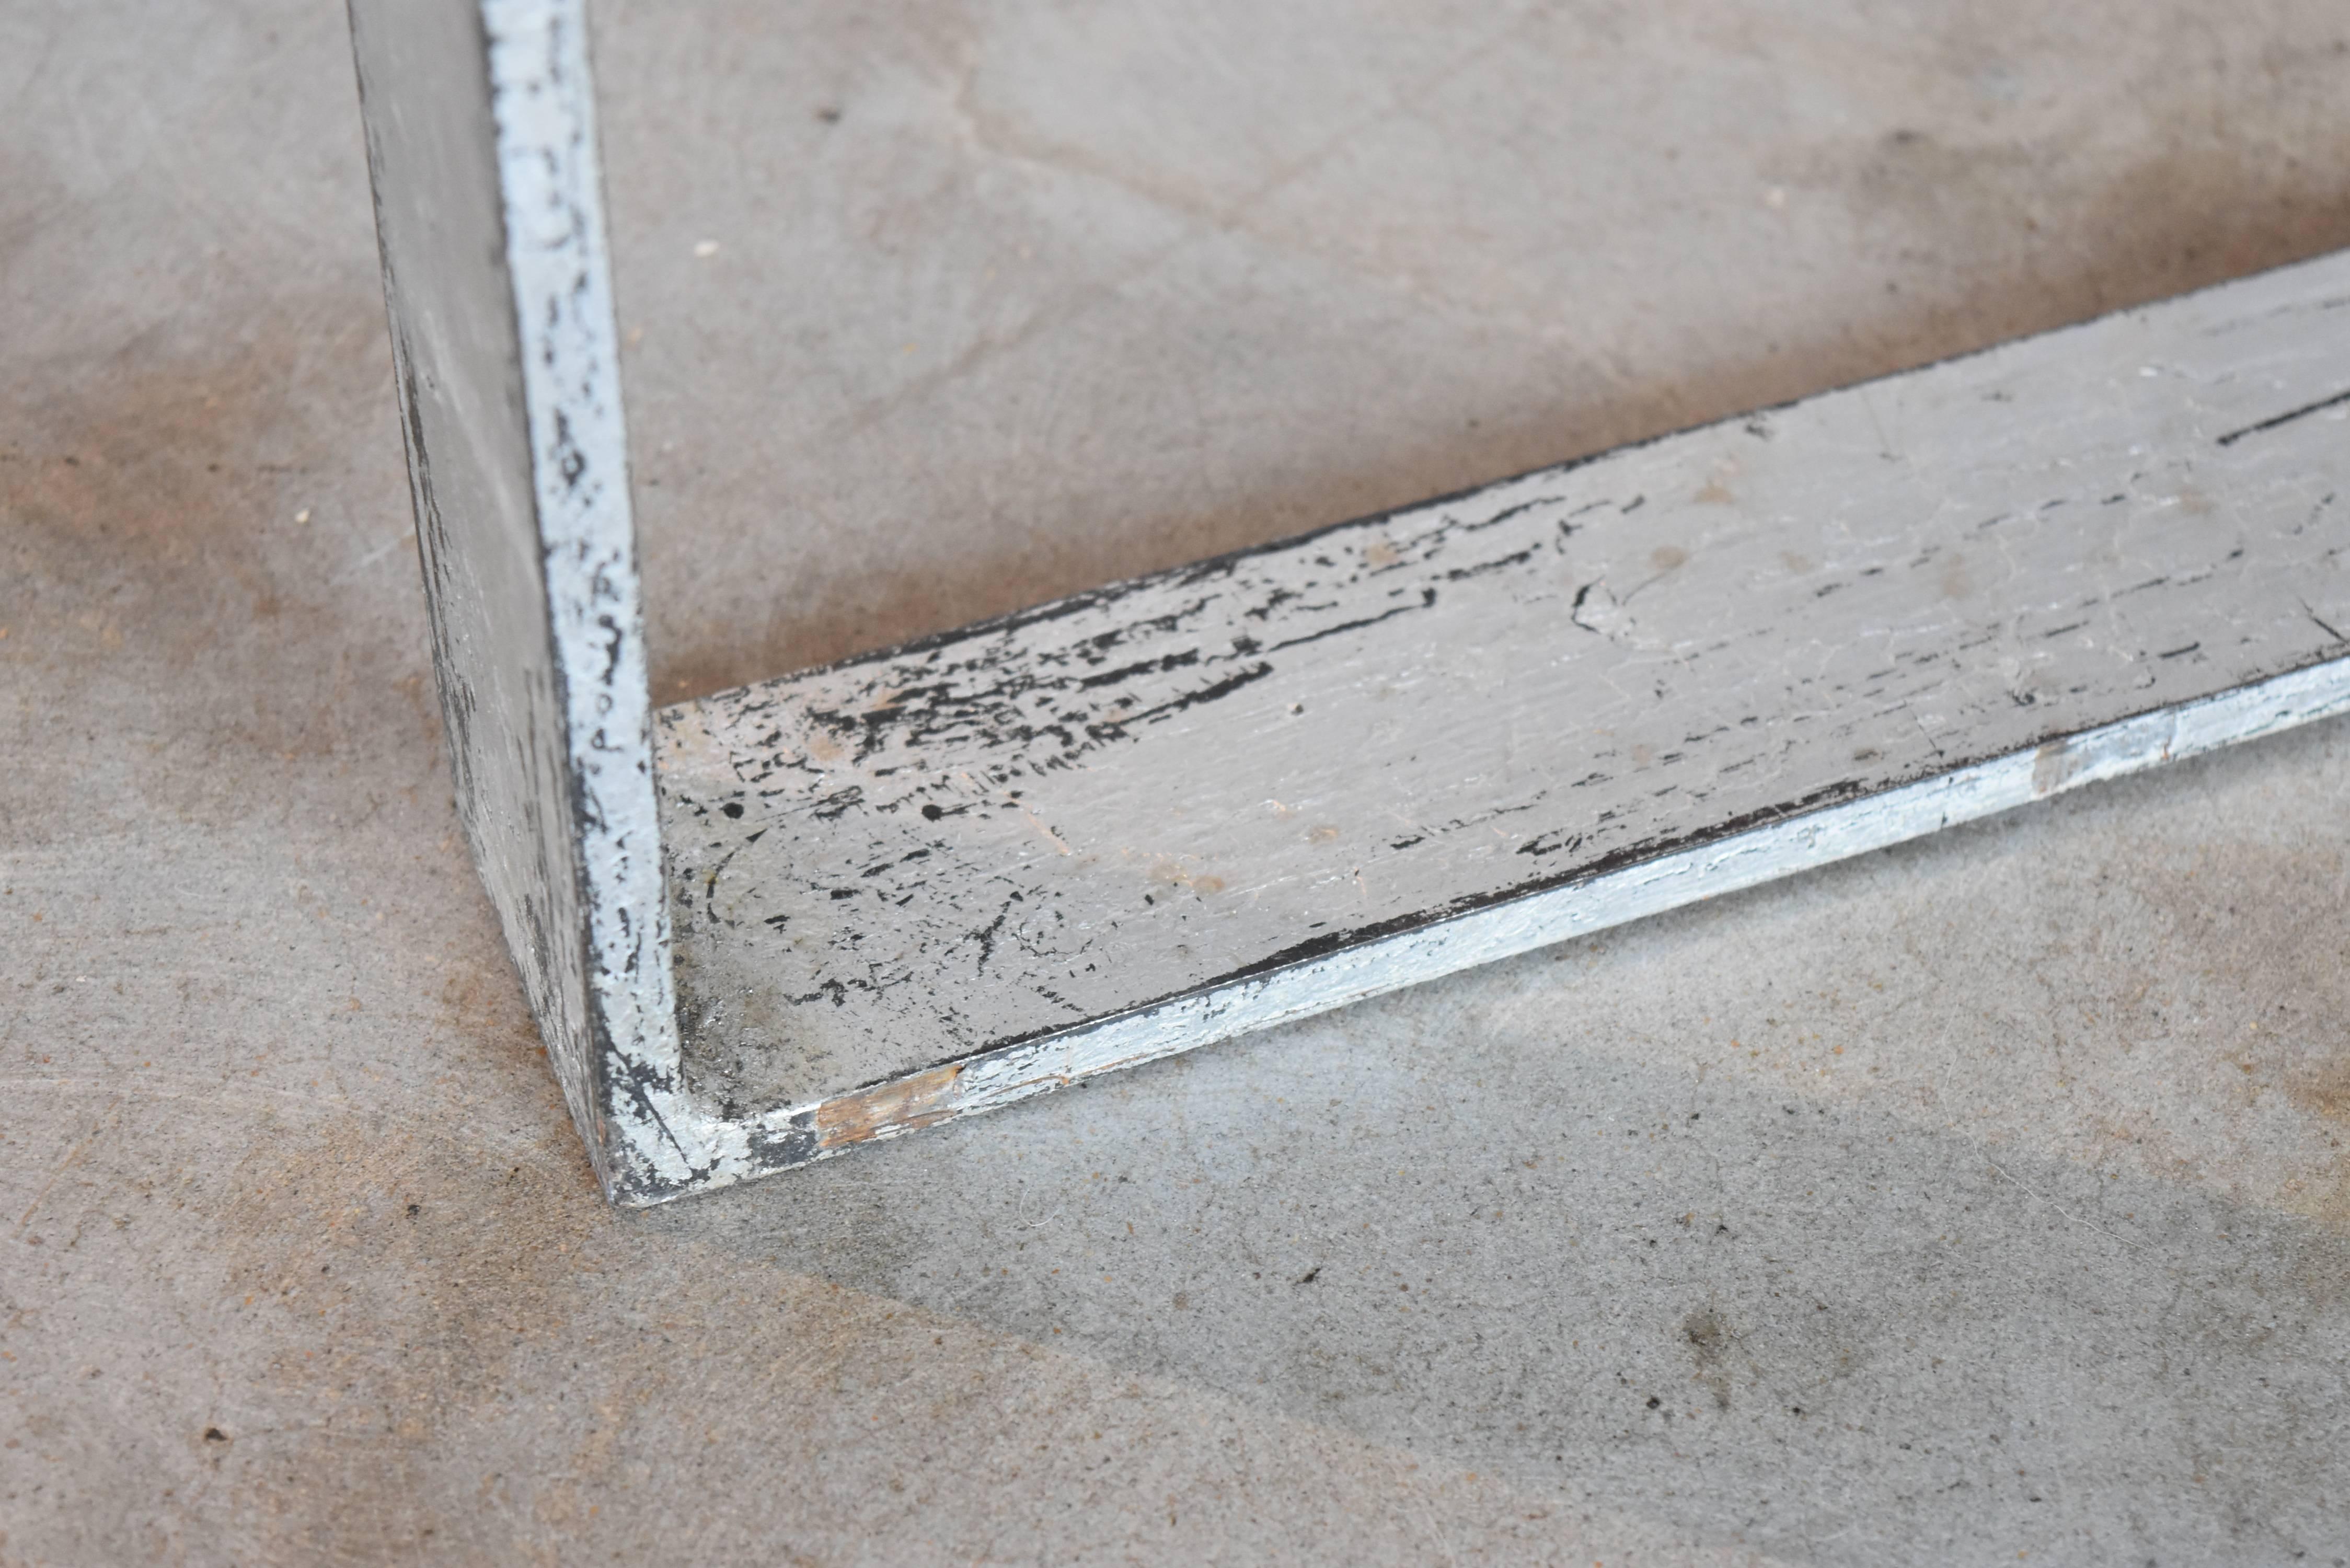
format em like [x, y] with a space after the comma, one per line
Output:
[1000, 1075]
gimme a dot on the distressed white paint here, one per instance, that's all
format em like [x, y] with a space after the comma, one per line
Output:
[939, 879]
[542, 100]
[1000, 1077]
[481, 149]
[1178, 784]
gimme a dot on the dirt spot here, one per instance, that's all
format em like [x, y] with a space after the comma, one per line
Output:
[1708, 1337]
[2323, 1089]
[1170, 872]
[394, 1281]
[2271, 999]
[2045, 225]
[1954, 580]
[152, 576]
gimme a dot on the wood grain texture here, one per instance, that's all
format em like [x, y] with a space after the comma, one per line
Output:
[940, 878]
[481, 151]
[1470, 720]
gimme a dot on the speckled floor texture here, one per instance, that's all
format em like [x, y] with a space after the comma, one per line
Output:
[1978, 1202]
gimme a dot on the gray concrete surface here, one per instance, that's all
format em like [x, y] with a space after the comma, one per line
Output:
[1980, 1201]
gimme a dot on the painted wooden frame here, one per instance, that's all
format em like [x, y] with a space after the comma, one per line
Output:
[764, 926]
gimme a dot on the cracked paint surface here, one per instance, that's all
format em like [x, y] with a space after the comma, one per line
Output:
[1212, 774]
[1165, 812]
[482, 152]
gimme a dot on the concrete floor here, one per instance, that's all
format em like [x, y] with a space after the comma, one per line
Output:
[1981, 1200]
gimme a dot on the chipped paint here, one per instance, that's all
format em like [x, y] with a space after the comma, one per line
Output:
[1061, 816]
[910, 1103]
[1304, 987]
[940, 879]
[481, 149]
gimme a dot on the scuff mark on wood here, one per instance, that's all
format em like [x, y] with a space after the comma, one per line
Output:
[912, 1102]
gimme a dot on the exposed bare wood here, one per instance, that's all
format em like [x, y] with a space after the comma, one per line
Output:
[940, 878]
[1195, 783]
